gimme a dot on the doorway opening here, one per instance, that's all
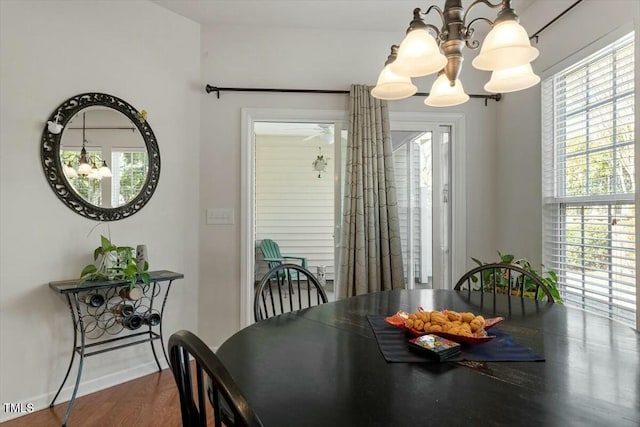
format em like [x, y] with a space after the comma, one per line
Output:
[294, 198]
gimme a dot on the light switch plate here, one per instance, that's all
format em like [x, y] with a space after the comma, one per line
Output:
[220, 216]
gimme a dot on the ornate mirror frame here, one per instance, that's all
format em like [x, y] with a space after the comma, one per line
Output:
[52, 165]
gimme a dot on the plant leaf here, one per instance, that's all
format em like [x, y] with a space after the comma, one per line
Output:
[477, 261]
[506, 258]
[106, 244]
[146, 278]
[89, 269]
[131, 270]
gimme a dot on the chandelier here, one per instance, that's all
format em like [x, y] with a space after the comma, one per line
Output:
[506, 51]
[87, 164]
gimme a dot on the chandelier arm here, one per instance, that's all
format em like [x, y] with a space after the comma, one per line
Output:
[439, 32]
[477, 2]
[468, 33]
[438, 10]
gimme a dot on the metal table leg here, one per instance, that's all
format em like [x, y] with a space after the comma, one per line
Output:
[153, 348]
[82, 344]
[73, 351]
[164, 302]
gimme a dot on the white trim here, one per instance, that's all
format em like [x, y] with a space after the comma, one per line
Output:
[247, 254]
[637, 168]
[459, 200]
[591, 199]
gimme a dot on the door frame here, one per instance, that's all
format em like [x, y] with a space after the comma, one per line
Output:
[247, 159]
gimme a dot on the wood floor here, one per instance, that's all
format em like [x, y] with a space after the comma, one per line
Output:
[150, 401]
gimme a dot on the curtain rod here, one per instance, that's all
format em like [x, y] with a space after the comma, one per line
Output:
[217, 90]
[537, 33]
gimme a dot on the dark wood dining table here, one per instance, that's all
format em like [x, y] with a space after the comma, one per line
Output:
[322, 367]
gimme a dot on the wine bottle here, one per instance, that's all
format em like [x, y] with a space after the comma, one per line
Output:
[124, 310]
[152, 319]
[132, 321]
[94, 300]
[134, 293]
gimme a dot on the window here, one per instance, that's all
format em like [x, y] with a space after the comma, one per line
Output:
[129, 169]
[588, 181]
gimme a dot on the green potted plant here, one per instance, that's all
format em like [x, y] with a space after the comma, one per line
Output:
[548, 277]
[116, 263]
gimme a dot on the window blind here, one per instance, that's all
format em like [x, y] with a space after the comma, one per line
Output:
[589, 182]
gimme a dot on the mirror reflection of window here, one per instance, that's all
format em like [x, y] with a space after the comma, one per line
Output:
[130, 167]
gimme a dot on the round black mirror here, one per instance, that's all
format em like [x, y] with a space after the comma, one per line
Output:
[100, 156]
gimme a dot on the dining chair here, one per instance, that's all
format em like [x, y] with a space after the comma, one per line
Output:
[502, 278]
[184, 345]
[286, 288]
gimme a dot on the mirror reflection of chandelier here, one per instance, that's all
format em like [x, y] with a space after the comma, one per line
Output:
[88, 164]
[506, 51]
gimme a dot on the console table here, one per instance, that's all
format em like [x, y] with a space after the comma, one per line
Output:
[105, 310]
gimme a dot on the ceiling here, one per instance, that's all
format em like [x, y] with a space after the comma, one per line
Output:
[357, 15]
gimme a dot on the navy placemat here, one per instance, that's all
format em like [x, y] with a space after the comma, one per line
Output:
[392, 342]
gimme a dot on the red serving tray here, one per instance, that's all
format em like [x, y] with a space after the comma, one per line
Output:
[398, 319]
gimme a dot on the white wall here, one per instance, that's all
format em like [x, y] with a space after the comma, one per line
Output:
[519, 134]
[299, 58]
[51, 50]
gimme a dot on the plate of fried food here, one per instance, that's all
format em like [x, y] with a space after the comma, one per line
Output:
[461, 327]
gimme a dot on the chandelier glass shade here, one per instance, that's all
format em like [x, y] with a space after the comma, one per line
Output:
[512, 79]
[69, 171]
[105, 172]
[391, 85]
[444, 95]
[84, 168]
[506, 46]
[418, 55]
[506, 51]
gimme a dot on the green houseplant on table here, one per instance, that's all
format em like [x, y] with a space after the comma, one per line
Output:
[116, 263]
[549, 277]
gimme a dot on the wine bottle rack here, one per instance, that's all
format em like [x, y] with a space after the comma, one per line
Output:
[106, 318]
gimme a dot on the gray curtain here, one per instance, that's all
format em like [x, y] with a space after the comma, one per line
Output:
[371, 256]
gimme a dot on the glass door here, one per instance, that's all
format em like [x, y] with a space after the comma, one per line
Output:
[422, 172]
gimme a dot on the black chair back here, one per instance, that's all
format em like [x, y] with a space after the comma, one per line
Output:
[184, 345]
[501, 278]
[285, 288]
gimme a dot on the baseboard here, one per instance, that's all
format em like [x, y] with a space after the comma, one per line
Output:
[37, 403]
